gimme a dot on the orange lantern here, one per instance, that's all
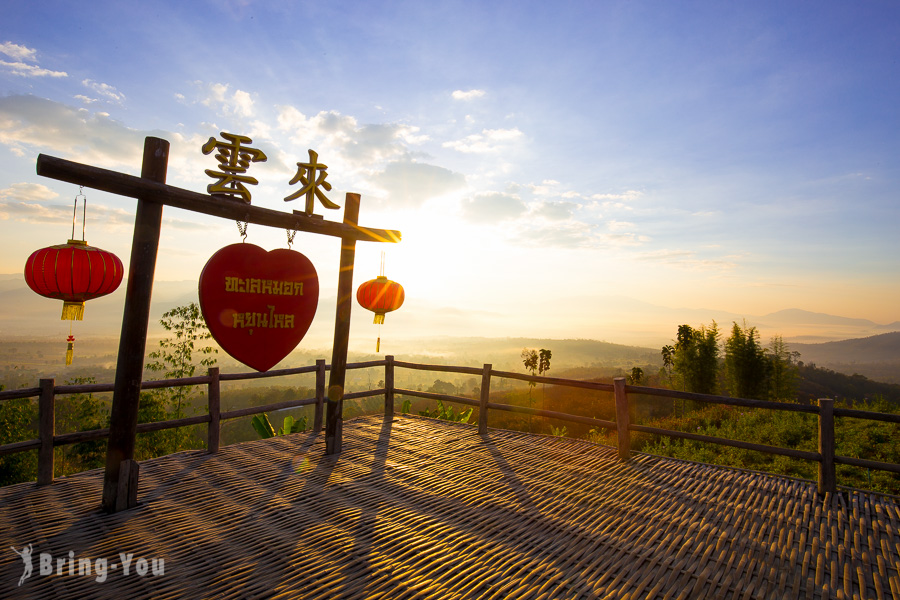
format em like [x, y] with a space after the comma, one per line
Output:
[74, 273]
[381, 296]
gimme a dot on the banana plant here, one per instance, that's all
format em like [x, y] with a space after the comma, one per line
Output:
[264, 427]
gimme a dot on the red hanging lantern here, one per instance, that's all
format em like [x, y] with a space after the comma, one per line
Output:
[380, 295]
[74, 273]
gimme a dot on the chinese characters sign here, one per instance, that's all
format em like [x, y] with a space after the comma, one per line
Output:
[235, 155]
[258, 305]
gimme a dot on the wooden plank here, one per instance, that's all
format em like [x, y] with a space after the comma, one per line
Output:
[334, 416]
[46, 431]
[801, 454]
[320, 395]
[827, 475]
[389, 385]
[484, 398]
[622, 419]
[214, 397]
[219, 206]
[135, 320]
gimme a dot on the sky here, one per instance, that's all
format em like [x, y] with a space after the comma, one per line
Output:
[553, 167]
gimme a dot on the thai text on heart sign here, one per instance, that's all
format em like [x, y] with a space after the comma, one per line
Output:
[258, 305]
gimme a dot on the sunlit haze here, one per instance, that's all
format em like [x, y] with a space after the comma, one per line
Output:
[557, 169]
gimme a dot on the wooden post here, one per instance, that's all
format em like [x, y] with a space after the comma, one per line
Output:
[334, 417]
[214, 397]
[389, 386]
[622, 419]
[320, 395]
[484, 399]
[827, 475]
[46, 431]
[135, 320]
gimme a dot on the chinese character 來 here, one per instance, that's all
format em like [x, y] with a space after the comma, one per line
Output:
[234, 156]
[306, 174]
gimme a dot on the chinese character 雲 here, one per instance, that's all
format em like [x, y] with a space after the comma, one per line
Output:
[234, 158]
[306, 174]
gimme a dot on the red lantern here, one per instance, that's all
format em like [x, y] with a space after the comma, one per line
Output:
[380, 295]
[73, 272]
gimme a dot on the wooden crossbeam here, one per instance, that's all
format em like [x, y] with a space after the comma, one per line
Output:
[225, 207]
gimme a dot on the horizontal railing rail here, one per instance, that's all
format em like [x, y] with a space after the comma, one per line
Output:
[826, 412]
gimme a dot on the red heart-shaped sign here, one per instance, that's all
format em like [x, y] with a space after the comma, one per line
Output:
[258, 305]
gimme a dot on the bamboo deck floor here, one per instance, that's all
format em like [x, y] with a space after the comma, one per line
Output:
[419, 508]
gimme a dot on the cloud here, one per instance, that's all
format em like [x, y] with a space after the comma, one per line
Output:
[25, 70]
[469, 95]
[105, 90]
[408, 183]
[217, 96]
[29, 203]
[555, 211]
[491, 207]
[362, 146]
[489, 140]
[19, 54]
[29, 121]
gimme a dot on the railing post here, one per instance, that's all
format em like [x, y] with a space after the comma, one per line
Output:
[622, 419]
[389, 385]
[320, 395]
[484, 399]
[46, 431]
[827, 476]
[213, 395]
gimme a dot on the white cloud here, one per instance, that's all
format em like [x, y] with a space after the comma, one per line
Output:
[217, 96]
[555, 211]
[489, 140]
[687, 259]
[18, 52]
[105, 90]
[491, 207]
[85, 99]
[408, 183]
[28, 202]
[24, 70]
[30, 121]
[468, 95]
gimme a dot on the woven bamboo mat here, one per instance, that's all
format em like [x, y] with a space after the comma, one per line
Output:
[419, 508]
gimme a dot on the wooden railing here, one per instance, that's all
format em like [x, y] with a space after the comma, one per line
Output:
[825, 457]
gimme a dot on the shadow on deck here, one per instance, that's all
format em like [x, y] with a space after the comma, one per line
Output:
[418, 508]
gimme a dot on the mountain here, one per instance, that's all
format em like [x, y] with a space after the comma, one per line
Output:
[876, 357]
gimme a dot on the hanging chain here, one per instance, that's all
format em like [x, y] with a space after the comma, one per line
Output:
[83, 212]
[242, 229]
[290, 236]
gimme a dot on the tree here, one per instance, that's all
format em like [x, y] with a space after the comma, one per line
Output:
[668, 356]
[530, 360]
[696, 358]
[174, 359]
[636, 377]
[783, 370]
[544, 361]
[746, 365]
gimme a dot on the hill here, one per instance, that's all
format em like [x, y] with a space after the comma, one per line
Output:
[877, 357]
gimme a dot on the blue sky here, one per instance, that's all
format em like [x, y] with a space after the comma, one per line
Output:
[540, 158]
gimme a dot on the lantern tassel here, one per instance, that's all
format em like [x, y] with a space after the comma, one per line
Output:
[379, 319]
[72, 311]
[378, 346]
[70, 349]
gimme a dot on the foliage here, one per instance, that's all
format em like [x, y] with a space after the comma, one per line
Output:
[559, 431]
[442, 387]
[746, 364]
[695, 358]
[80, 412]
[174, 359]
[18, 419]
[406, 407]
[636, 377]
[530, 360]
[782, 370]
[446, 413]
[264, 427]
